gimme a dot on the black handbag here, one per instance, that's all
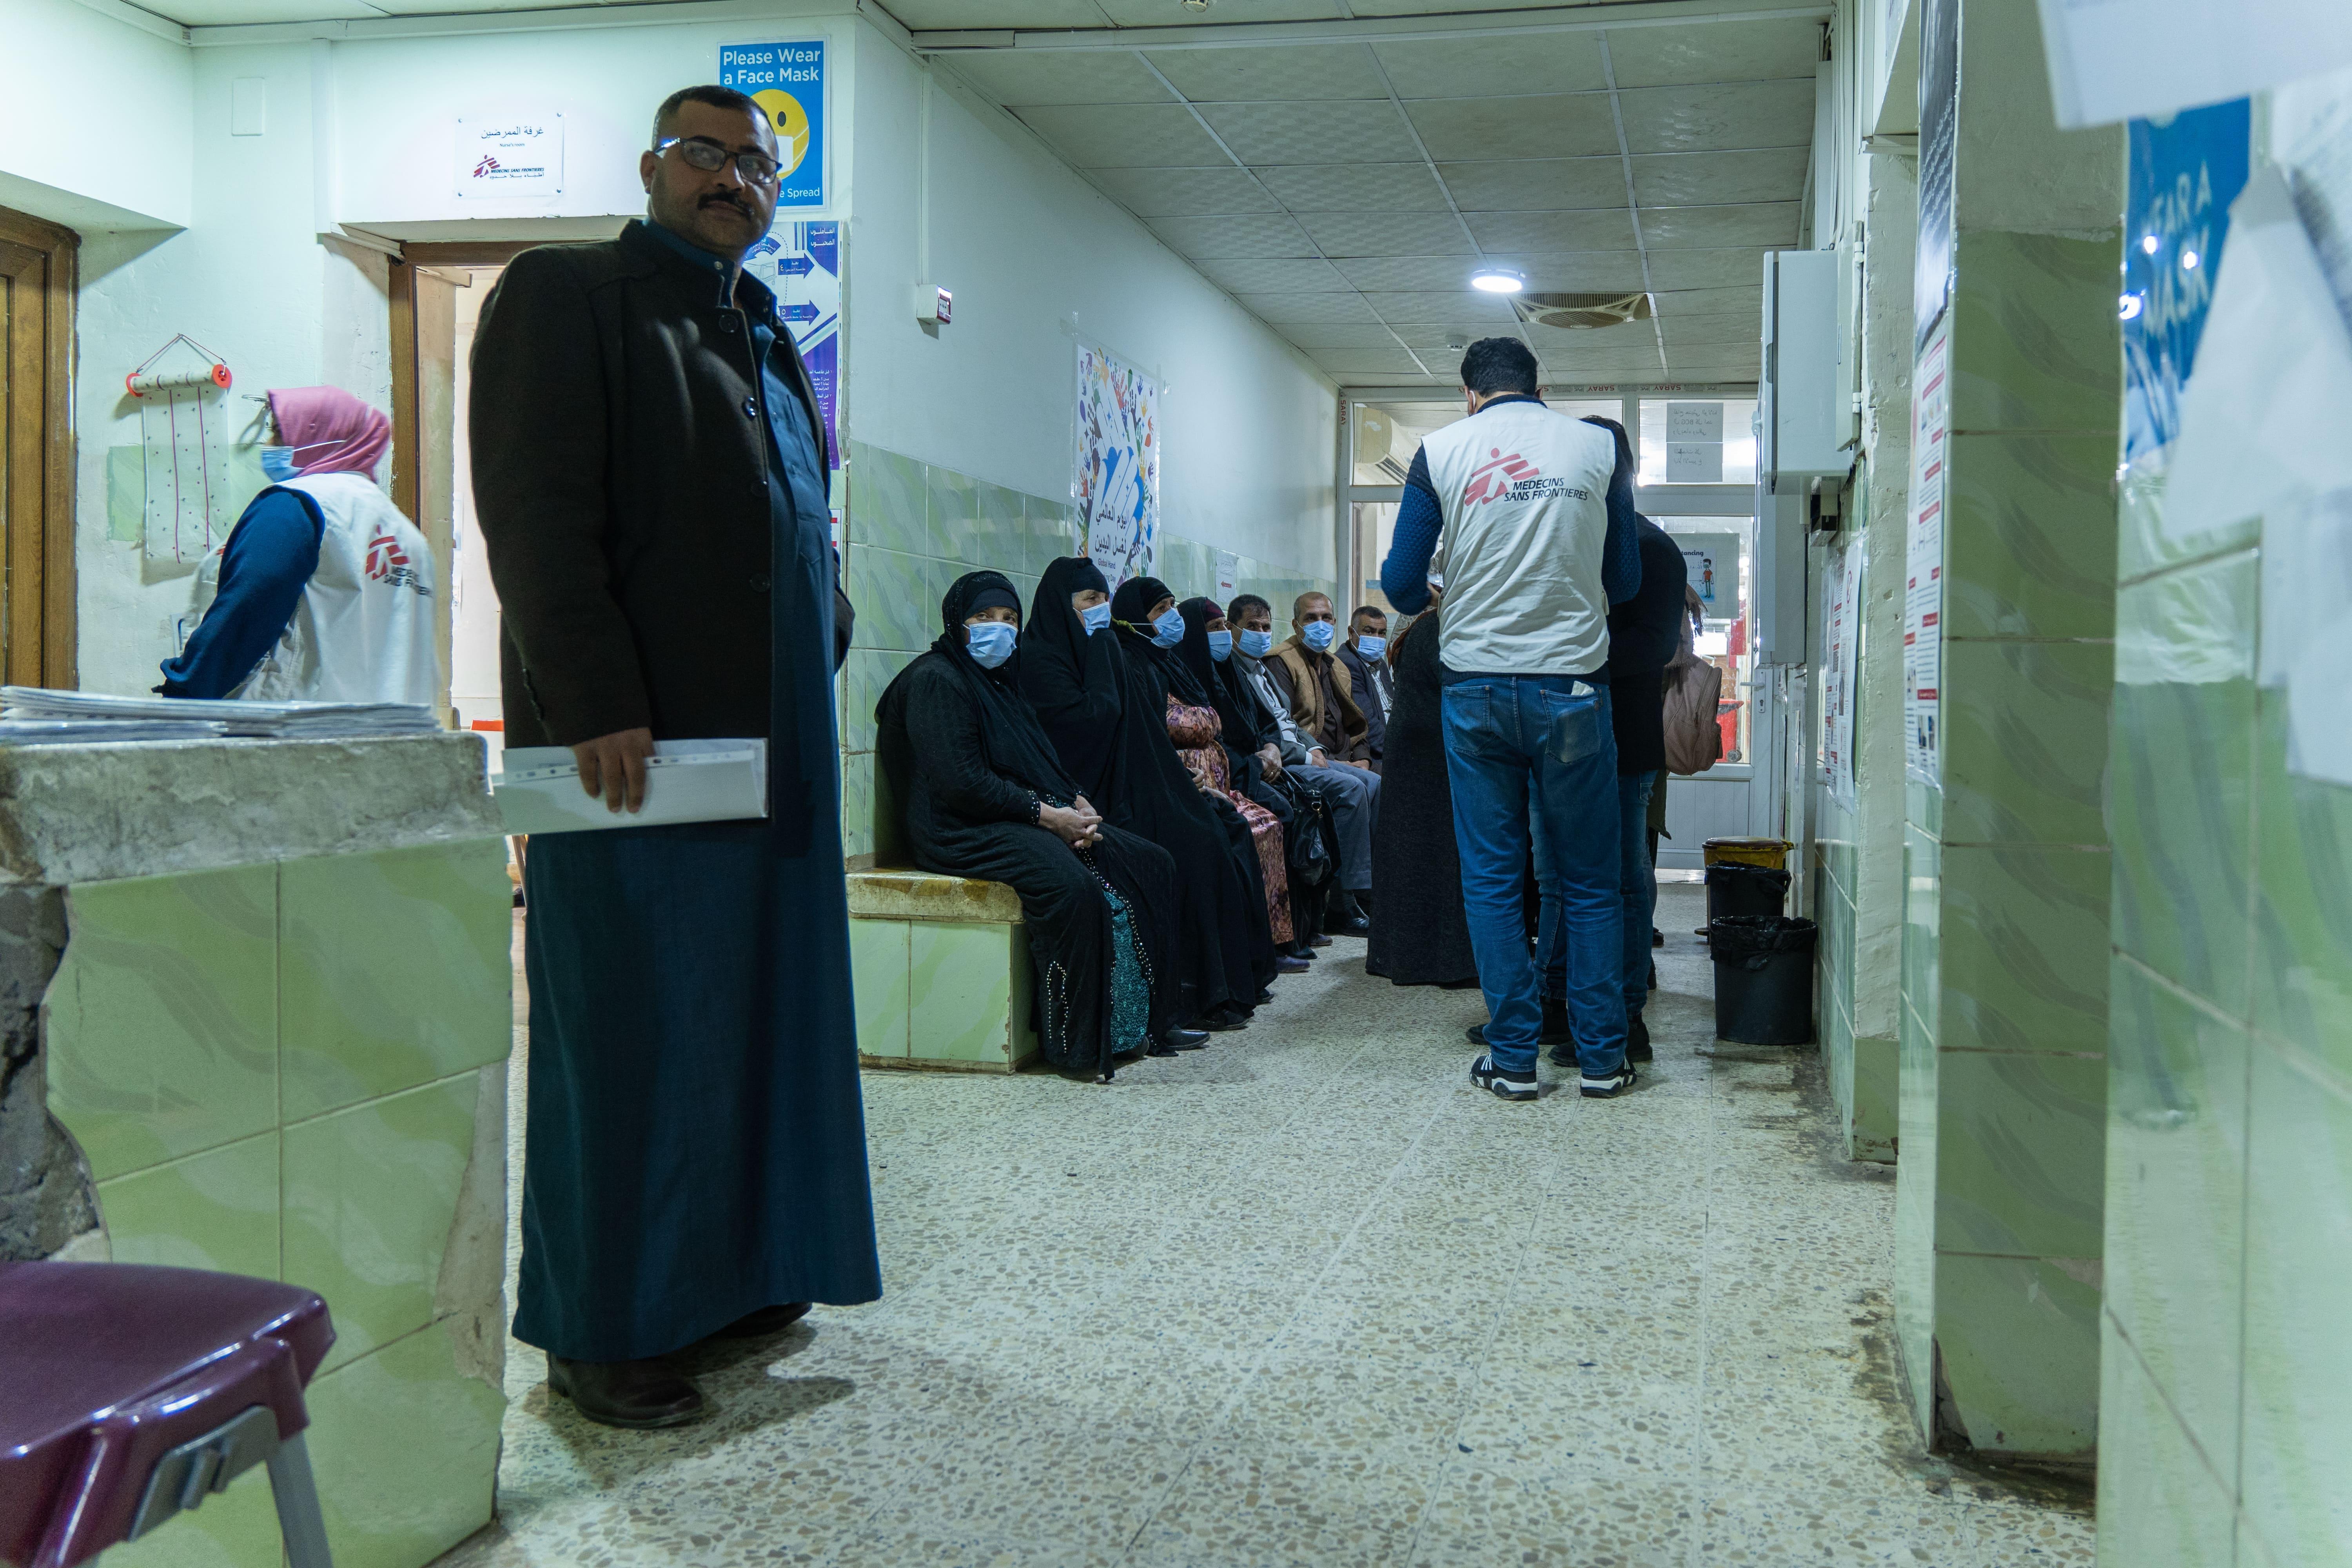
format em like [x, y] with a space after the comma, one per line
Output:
[1313, 840]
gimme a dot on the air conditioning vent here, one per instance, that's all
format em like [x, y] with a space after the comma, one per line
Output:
[1582, 309]
[1396, 470]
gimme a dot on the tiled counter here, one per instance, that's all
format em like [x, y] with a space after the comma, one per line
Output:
[282, 1057]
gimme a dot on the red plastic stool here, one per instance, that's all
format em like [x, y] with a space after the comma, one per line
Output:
[127, 1393]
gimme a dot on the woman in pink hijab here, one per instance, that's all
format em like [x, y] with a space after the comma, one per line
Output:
[323, 592]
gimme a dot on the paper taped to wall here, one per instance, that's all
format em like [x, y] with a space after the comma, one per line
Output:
[685, 781]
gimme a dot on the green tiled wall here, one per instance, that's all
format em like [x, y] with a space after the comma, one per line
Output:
[275, 1071]
[2229, 1157]
[2003, 1027]
[911, 529]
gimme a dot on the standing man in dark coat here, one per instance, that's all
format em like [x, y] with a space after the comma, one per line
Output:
[650, 470]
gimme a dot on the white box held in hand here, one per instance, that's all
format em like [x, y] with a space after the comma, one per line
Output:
[685, 781]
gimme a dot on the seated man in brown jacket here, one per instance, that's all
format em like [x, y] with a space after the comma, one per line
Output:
[1316, 687]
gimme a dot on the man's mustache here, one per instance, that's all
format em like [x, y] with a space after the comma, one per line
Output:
[719, 199]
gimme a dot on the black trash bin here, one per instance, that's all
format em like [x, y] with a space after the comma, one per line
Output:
[1763, 979]
[1733, 888]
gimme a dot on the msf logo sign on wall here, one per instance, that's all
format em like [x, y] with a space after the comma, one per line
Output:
[1515, 479]
[503, 156]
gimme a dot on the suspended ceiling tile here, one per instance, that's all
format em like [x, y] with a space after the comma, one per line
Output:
[1704, 179]
[1688, 369]
[1173, 14]
[1715, 51]
[1536, 184]
[1356, 187]
[1567, 125]
[1369, 361]
[1304, 310]
[1348, 131]
[1019, 78]
[1387, 234]
[1457, 305]
[229, 12]
[1482, 68]
[1124, 136]
[1234, 236]
[1691, 332]
[1711, 302]
[1276, 275]
[1635, 335]
[1752, 223]
[1730, 115]
[922, 14]
[1340, 336]
[1184, 192]
[1408, 273]
[1738, 268]
[1599, 364]
[1287, 74]
[1575, 271]
[1554, 231]
[1441, 8]
[1444, 339]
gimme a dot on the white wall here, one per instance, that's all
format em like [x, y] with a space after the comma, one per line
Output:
[1034, 255]
[90, 109]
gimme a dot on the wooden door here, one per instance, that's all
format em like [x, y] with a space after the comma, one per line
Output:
[37, 459]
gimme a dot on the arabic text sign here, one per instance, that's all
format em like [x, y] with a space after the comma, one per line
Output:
[499, 157]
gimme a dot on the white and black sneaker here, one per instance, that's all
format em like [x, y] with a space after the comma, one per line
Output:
[1607, 1085]
[1502, 1085]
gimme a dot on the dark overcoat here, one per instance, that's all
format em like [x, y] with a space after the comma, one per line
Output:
[621, 476]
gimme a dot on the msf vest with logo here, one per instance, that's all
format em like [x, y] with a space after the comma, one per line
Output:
[364, 629]
[1525, 495]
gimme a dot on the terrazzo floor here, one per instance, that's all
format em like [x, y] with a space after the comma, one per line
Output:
[1307, 1298]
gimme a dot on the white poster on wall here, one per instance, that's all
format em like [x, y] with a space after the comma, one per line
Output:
[1694, 443]
[501, 156]
[1840, 652]
[1116, 479]
[2111, 60]
[1923, 559]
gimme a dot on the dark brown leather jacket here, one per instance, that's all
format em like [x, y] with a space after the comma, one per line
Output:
[620, 472]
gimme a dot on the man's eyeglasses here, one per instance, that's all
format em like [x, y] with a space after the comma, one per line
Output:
[703, 153]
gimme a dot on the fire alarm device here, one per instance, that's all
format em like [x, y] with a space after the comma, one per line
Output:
[934, 306]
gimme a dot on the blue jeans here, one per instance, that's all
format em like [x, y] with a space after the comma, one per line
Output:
[1640, 881]
[1513, 742]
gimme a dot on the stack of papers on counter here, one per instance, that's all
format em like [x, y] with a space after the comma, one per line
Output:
[31, 715]
[685, 781]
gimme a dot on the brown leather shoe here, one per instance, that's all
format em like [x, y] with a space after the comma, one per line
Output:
[632, 1393]
[767, 1320]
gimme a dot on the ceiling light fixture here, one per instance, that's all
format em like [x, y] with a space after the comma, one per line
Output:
[1497, 281]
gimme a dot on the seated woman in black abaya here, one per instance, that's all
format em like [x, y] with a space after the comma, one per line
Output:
[1105, 709]
[986, 797]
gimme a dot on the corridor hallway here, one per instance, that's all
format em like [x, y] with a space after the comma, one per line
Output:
[1309, 1298]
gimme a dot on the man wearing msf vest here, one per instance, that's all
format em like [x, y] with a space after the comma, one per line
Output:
[323, 592]
[1537, 514]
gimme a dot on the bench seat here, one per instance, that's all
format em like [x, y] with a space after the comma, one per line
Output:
[941, 970]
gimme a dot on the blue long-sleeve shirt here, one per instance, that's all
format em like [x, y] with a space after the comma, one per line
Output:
[1405, 575]
[266, 563]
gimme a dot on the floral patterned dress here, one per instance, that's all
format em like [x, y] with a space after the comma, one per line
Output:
[1198, 734]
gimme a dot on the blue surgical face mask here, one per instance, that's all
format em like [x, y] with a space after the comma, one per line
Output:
[991, 642]
[1170, 628]
[1257, 644]
[1371, 647]
[1318, 636]
[278, 464]
[1095, 617]
[1220, 646]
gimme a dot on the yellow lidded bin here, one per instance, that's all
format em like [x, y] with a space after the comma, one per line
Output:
[1772, 854]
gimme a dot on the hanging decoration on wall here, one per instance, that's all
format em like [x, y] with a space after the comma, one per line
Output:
[184, 447]
[801, 263]
[1117, 481]
[787, 81]
[1923, 561]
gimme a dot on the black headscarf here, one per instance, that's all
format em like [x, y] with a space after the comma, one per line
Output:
[1015, 746]
[1131, 610]
[1193, 674]
[1071, 679]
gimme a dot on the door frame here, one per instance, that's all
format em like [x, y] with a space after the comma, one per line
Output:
[42, 263]
[405, 477]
